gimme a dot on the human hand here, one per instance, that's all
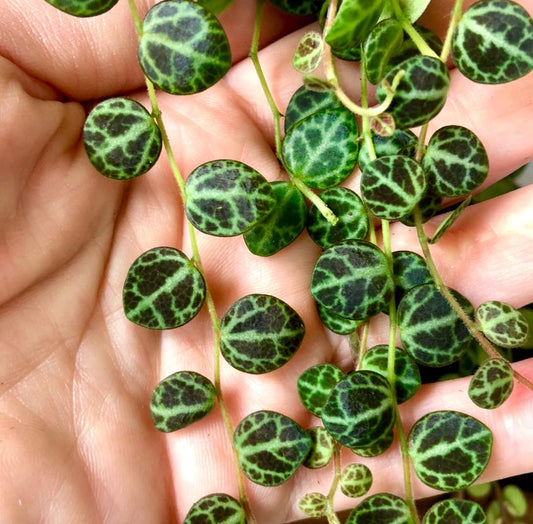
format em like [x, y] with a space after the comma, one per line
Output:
[76, 376]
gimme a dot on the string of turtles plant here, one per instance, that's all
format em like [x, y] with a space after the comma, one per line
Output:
[320, 139]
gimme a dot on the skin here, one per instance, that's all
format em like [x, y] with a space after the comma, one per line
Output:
[75, 376]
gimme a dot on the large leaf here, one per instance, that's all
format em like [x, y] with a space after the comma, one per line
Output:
[381, 508]
[121, 138]
[217, 508]
[260, 333]
[271, 447]
[163, 289]
[216, 6]
[412, 9]
[183, 48]
[455, 511]
[449, 450]
[83, 8]
[493, 42]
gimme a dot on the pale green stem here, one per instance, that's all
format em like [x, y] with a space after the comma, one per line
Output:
[316, 200]
[330, 514]
[156, 114]
[457, 13]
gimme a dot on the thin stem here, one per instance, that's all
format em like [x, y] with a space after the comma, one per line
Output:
[315, 199]
[457, 13]
[330, 514]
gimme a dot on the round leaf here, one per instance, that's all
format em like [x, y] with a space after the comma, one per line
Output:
[455, 511]
[421, 93]
[217, 508]
[391, 186]
[181, 399]
[409, 270]
[83, 8]
[502, 324]
[348, 208]
[336, 323]
[322, 448]
[356, 480]
[493, 42]
[381, 507]
[359, 409]
[378, 447]
[449, 450]
[314, 505]
[315, 385]
[121, 138]
[455, 162]
[322, 148]
[260, 333]
[227, 197]
[352, 280]
[183, 48]
[308, 52]
[163, 289]
[491, 384]
[271, 447]
[430, 330]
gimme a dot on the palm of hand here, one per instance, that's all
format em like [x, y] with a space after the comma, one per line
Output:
[76, 376]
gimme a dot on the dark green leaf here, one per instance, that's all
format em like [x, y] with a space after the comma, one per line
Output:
[449, 450]
[492, 383]
[359, 409]
[322, 448]
[449, 220]
[455, 511]
[227, 197]
[407, 375]
[455, 162]
[502, 324]
[430, 330]
[163, 289]
[315, 385]
[421, 93]
[308, 52]
[352, 280]
[260, 333]
[378, 447]
[391, 186]
[271, 447]
[381, 44]
[183, 48]
[381, 508]
[348, 208]
[216, 6]
[356, 480]
[322, 148]
[353, 21]
[493, 42]
[83, 8]
[428, 206]
[336, 323]
[121, 138]
[217, 508]
[409, 270]
[181, 399]
[299, 7]
[314, 505]
[282, 226]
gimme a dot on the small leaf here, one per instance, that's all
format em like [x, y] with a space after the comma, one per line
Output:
[353, 220]
[298, 7]
[352, 280]
[305, 102]
[409, 270]
[429, 205]
[163, 289]
[336, 323]
[282, 226]
[217, 508]
[381, 507]
[121, 138]
[359, 409]
[391, 186]
[492, 383]
[314, 505]
[430, 330]
[381, 44]
[456, 161]
[449, 221]
[322, 148]
[515, 500]
[83, 8]
[271, 447]
[421, 93]
[449, 449]
[378, 447]
[356, 480]
[227, 197]
[407, 375]
[502, 324]
[455, 511]
[313, 83]
[493, 42]
[183, 48]
[216, 6]
[353, 21]
[315, 385]
[322, 448]
[181, 399]
[260, 333]
[308, 52]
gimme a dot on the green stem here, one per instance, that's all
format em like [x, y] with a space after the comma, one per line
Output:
[330, 514]
[316, 200]
[457, 13]
[156, 114]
